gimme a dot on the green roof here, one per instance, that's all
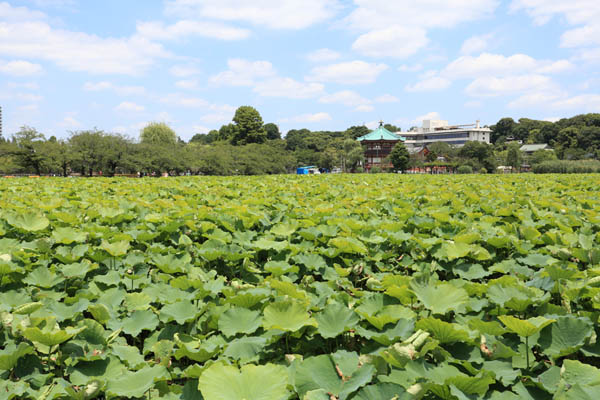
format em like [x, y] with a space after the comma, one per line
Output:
[381, 134]
[534, 147]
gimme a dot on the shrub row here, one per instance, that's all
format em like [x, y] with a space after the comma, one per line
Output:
[567, 167]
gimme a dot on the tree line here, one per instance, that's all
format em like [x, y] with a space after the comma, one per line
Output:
[248, 146]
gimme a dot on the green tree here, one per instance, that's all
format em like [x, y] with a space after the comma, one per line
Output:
[513, 156]
[248, 126]
[88, 149]
[158, 133]
[400, 157]
[28, 151]
[357, 131]
[503, 129]
[540, 156]
[272, 131]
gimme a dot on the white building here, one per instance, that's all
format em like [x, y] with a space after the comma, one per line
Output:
[439, 131]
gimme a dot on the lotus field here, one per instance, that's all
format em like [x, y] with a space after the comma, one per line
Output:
[363, 287]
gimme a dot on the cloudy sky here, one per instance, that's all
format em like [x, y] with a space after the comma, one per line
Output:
[68, 65]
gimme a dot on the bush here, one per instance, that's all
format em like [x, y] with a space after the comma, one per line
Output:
[465, 169]
[483, 171]
[360, 170]
[567, 167]
[376, 170]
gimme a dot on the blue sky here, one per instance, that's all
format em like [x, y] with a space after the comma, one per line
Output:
[116, 65]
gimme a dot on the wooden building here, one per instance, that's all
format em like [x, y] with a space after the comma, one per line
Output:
[377, 146]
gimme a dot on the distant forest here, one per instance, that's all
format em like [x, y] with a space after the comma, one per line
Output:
[248, 146]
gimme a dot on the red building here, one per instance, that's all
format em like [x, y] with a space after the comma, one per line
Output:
[377, 146]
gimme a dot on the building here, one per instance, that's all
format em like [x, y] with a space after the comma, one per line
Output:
[439, 131]
[529, 149]
[309, 170]
[377, 145]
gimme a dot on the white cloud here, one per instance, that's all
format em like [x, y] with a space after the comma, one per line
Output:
[494, 86]
[120, 90]
[323, 55]
[410, 68]
[346, 97]
[386, 98]
[307, 118]
[23, 85]
[551, 119]
[487, 64]
[427, 84]
[373, 14]
[349, 98]
[177, 99]
[20, 68]
[533, 100]
[582, 102]
[275, 14]
[75, 51]
[29, 108]
[393, 41]
[216, 118]
[352, 72]
[128, 106]
[429, 115]
[582, 13]
[10, 13]
[476, 44]
[587, 35]
[243, 72]
[188, 84]
[159, 31]
[28, 97]
[184, 71]
[288, 87]
[70, 122]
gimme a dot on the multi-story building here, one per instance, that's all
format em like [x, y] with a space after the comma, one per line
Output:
[377, 146]
[440, 131]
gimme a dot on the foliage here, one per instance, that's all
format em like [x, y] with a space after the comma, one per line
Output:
[464, 169]
[567, 167]
[158, 133]
[278, 288]
[248, 126]
[399, 157]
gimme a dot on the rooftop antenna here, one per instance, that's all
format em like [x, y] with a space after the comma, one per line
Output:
[380, 122]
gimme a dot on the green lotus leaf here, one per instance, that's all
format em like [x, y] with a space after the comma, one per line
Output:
[137, 301]
[30, 222]
[320, 372]
[246, 349]
[348, 245]
[287, 315]
[250, 382]
[129, 355]
[27, 308]
[163, 350]
[567, 335]
[43, 277]
[68, 235]
[180, 312]
[379, 313]
[472, 385]
[442, 297]
[172, 263]
[335, 319]
[454, 250]
[525, 328]
[284, 229]
[116, 249]
[89, 391]
[100, 312]
[77, 270]
[196, 349]
[278, 268]
[136, 384]
[382, 391]
[11, 354]
[319, 394]
[575, 372]
[138, 321]
[239, 320]
[50, 337]
[443, 331]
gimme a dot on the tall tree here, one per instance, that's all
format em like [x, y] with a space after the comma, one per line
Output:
[28, 151]
[158, 133]
[248, 126]
[272, 131]
[400, 157]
